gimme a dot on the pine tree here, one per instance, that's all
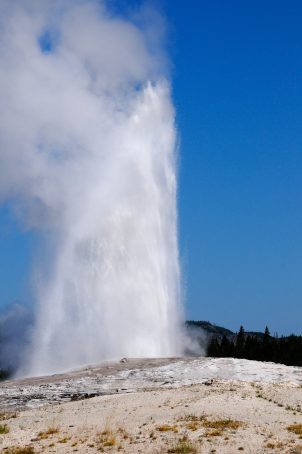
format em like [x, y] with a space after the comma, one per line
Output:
[214, 348]
[240, 343]
[267, 352]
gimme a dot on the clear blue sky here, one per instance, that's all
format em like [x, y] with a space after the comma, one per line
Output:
[237, 82]
[238, 93]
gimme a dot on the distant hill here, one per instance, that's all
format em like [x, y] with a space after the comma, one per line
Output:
[209, 328]
[217, 331]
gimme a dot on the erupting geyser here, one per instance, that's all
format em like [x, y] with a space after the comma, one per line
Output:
[87, 158]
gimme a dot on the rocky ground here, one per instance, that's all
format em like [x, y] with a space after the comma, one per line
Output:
[184, 405]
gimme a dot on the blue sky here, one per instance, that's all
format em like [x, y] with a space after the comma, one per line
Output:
[237, 84]
[238, 94]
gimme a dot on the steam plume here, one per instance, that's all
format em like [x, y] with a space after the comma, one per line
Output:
[87, 158]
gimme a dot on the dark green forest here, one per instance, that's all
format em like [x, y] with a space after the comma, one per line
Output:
[257, 346]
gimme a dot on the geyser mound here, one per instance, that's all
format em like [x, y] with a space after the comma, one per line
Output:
[87, 156]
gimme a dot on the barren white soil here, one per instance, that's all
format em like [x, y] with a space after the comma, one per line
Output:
[187, 405]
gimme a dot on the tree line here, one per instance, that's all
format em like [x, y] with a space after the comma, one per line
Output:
[260, 347]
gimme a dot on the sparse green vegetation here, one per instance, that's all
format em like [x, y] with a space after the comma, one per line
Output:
[296, 429]
[4, 429]
[107, 438]
[276, 445]
[4, 416]
[222, 424]
[214, 428]
[183, 446]
[166, 428]
[193, 425]
[214, 433]
[20, 450]
[43, 435]
[64, 440]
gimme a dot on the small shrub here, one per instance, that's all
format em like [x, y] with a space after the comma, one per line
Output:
[192, 425]
[166, 428]
[214, 433]
[110, 442]
[222, 424]
[64, 440]
[43, 435]
[296, 429]
[20, 450]
[4, 429]
[107, 438]
[183, 447]
[4, 416]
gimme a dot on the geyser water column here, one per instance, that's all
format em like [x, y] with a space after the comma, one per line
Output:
[114, 290]
[87, 156]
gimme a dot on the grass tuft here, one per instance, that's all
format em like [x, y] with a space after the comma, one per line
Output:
[166, 428]
[4, 429]
[216, 428]
[20, 450]
[183, 447]
[64, 440]
[107, 438]
[296, 429]
[222, 424]
[43, 435]
[214, 433]
[4, 416]
[192, 425]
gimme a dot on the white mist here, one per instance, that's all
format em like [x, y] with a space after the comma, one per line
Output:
[87, 155]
